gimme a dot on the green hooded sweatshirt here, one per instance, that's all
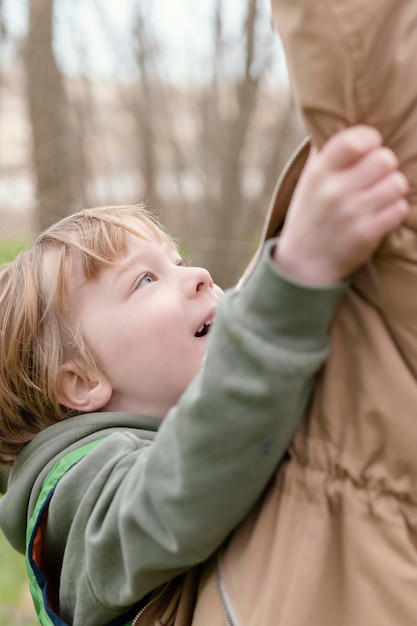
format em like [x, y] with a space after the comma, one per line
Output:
[156, 497]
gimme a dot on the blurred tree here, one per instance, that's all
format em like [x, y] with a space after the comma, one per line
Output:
[204, 150]
[146, 103]
[213, 133]
[227, 124]
[57, 154]
[3, 29]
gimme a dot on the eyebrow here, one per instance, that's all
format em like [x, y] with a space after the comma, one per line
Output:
[133, 260]
[129, 264]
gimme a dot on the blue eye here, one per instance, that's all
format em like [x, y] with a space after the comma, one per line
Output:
[145, 280]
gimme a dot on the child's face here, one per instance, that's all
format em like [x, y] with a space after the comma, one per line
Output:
[143, 322]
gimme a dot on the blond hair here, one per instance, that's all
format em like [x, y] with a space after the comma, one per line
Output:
[37, 331]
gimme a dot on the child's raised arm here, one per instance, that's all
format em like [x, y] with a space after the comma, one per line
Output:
[349, 197]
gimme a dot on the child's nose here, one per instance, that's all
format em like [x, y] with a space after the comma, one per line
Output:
[198, 279]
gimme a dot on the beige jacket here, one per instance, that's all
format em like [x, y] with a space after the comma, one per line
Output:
[334, 540]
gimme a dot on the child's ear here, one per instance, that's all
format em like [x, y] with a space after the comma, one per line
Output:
[77, 391]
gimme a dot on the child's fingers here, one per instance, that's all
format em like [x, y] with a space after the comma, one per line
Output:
[374, 228]
[375, 165]
[385, 191]
[348, 145]
[387, 219]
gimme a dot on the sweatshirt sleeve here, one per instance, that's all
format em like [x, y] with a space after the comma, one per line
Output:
[157, 510]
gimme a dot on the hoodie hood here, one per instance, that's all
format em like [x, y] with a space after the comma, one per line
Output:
[44, 451]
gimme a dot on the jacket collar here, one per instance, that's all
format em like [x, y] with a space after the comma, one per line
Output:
[280, 200]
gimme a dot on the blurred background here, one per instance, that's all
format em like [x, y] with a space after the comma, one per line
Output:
[183, 105]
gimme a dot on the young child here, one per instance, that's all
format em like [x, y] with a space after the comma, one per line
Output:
[334, 540]
[105, 331]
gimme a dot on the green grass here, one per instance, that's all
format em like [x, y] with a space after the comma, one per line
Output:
[16, 607]
[15, 604]
[10, 247]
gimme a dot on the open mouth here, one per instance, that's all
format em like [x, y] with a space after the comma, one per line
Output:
[204, 330]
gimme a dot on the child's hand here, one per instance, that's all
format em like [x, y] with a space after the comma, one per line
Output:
[349, 197]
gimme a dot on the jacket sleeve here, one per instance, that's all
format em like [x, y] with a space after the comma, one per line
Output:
[155, 510]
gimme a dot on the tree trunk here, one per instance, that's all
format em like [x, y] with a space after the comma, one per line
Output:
[57, 153]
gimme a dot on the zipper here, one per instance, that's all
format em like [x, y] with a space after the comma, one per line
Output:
[229, 612]
[149, 604]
